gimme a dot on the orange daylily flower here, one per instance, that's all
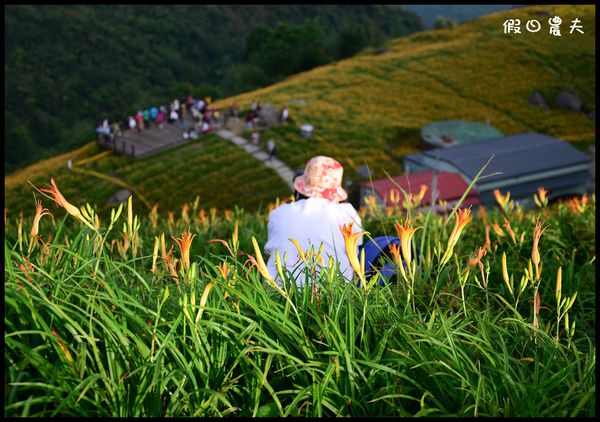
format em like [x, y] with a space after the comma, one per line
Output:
[154, 215]
[202, 215]
[463, 217]
[577, 206]
[394, 196]
[421, 194]
[39, 213]
[510, 230]
[503, 200]
[476, 260]
[541, 198]
[483, 213]
[499, 232]
[27, 269]
[224, 270]
[184, 213]
[62, 202]
[487, 238]
[184, 246]
[170, 263]
[351, 242]
[395, 251]
[370, 201]
[535, 253]
[262, 268]
[406, 233]
[443, 205]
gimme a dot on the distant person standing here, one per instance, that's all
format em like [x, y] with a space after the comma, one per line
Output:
[173, 116]
[285, 114]
[182, 120]
[115, 129]
[249, 120]
[160, 119]
[146, 116]
[139, 118]
[153, 114]
[271, 148]
[255, 137]
[175, 105]
[132, 123]
[201, 105]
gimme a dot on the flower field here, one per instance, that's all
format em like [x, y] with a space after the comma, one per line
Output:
[492, 314]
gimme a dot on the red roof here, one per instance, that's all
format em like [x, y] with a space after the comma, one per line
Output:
[450, 187]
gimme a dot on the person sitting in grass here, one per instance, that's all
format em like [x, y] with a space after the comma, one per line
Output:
[313, 218]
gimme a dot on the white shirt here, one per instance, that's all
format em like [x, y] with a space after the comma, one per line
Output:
[311, 222]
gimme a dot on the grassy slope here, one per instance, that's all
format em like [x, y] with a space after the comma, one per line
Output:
[359, 106]
[211, 169]
[370, 108]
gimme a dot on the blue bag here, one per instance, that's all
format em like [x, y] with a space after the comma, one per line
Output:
[379, 258]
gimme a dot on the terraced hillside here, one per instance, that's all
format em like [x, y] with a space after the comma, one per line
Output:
[368, 110]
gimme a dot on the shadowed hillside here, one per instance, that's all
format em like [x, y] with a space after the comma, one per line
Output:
[68, 66]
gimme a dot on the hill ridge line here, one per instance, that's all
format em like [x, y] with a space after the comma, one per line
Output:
[282, 170]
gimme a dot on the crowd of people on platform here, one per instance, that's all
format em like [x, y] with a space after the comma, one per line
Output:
[192, 115]
[195, 117]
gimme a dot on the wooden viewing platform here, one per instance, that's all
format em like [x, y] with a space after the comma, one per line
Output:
[149, 141]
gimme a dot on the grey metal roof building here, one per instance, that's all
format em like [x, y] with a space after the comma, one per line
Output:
[524, 162]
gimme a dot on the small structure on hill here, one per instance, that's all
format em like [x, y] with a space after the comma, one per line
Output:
[520, 165]
[119, 197]
[306, 130]
[268, 116]
[449, 133]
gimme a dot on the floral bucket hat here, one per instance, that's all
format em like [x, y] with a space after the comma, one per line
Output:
[322, 178]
